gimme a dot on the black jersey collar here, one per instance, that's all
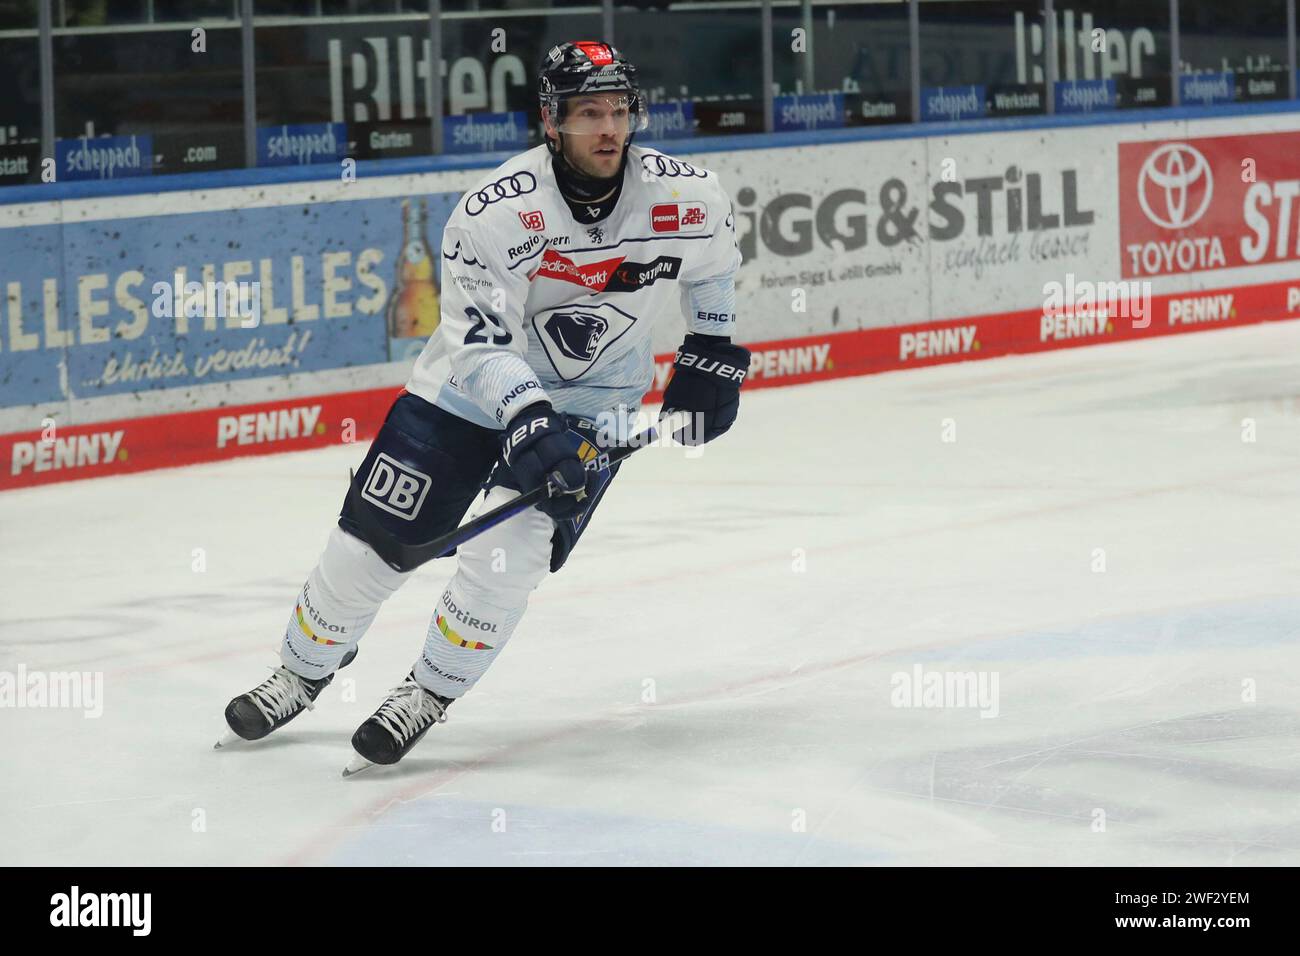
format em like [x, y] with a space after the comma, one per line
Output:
[574, 189]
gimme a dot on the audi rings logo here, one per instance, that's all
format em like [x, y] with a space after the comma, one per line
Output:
[659, 165]
[508, 187]
[1175, 186]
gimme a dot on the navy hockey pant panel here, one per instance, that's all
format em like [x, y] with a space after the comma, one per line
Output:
[422, 471]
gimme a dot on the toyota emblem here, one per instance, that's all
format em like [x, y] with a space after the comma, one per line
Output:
[1175, 186]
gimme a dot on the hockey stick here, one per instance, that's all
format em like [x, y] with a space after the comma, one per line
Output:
[407, 557]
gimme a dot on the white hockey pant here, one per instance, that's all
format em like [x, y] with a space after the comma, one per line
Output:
[474, 617]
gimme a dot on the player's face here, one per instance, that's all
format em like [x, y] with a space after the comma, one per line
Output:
[595, 130]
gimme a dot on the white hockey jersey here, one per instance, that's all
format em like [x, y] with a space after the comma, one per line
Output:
[537, 304]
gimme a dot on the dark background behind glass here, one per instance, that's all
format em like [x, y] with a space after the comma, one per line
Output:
[1248, 38]
[867, 44]
[151, 81]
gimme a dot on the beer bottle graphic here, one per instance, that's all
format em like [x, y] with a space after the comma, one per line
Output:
[413, 308]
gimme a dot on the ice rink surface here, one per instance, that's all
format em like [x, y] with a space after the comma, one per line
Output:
[714, 676]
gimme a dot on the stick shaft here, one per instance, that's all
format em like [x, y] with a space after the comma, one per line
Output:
[407, 557]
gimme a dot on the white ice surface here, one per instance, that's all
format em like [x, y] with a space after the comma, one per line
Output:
[1126, 691]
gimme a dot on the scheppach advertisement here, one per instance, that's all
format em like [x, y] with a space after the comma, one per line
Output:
[858, 257]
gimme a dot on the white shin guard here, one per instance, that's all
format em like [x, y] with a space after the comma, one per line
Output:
[482, 604]
[337, 604]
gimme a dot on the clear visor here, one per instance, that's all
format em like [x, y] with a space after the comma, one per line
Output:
[604, 113]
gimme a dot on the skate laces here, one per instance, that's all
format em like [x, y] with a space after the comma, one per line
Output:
[408, 708]
[277, 695]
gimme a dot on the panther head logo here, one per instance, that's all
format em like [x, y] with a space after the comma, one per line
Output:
[576, 334]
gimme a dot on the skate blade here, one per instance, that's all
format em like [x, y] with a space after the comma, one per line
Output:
[227, 739]
[357, 764]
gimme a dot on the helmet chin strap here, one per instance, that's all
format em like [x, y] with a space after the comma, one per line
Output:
[574, 181]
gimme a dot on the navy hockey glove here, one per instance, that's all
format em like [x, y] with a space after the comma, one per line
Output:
[537, 447]
[707, 375]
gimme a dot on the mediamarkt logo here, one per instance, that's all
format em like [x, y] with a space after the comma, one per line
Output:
[592, 275]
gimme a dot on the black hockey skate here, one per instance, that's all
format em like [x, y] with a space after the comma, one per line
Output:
[397, 725]
[274, 702]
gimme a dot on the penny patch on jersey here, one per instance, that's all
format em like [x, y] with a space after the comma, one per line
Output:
[678, 217]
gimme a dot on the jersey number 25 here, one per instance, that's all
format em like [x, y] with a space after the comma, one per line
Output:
[475, 335]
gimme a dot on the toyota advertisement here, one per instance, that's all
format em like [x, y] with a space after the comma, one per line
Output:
[1196, 204]
[858, 257]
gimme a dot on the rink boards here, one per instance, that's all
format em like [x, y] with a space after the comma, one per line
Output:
[861, 255]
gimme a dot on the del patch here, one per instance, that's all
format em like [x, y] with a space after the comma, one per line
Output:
[679, 217]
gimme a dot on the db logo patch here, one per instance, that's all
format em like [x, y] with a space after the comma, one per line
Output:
[396, 488]
[532, 220]
[678, 217]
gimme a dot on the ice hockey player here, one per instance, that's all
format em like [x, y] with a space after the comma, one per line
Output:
[554, 269]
